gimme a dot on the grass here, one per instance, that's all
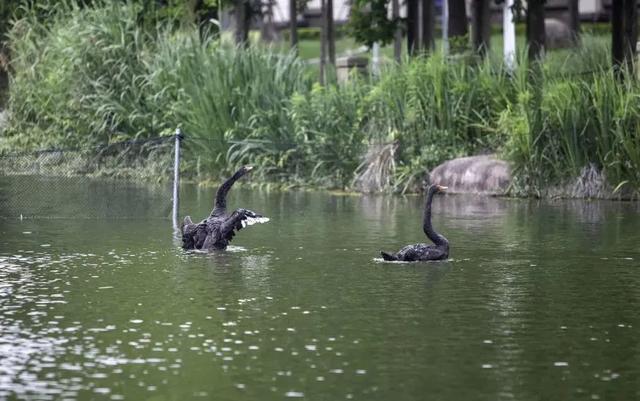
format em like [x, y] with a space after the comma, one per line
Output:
[86, 76]
[310, 48]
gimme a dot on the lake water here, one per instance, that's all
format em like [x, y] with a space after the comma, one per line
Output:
[539, 301]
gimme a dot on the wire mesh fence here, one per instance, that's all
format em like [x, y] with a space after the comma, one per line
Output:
[129, 179]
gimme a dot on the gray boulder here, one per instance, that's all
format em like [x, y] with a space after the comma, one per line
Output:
[558, 34]
[4, 117]
[485, 175]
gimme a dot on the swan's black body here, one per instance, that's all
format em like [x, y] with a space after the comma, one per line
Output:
[217, 230]
[424, 252]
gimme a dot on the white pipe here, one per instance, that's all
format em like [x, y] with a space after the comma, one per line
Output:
[375, 59]
[176, 178]
[509, 35]
[445, 27]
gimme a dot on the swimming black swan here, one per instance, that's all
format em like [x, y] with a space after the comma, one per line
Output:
[217, 230]
[423, 252]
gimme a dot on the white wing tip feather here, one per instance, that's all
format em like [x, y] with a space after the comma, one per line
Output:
[249, 221]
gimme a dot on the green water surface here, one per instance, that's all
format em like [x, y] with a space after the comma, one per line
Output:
[539, 301]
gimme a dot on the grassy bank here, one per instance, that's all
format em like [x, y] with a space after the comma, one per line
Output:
[90, 76]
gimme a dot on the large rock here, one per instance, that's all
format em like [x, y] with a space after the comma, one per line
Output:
[558, 34]
[484, 175]
[346, 65]
[4, 118]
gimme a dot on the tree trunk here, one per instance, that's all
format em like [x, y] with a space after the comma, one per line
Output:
[293, 24]
[630, 35]
[413, 33]
[535, 29]
[397, 35]
[617, 33]
[268, 31]
[323, 42]
[242, 22]
[458, 24]
[574, 20]
[481, 27]
[428, 24]
[331, 36]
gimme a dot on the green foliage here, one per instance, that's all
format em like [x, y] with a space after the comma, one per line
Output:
[327, 123]
[7, 10]
[95, 75]
[75, 77]
[560, 122]
[369, 23]
[437, 109]
[233, 103]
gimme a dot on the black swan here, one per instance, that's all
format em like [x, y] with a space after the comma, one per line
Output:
[217, 230]
[424, 252]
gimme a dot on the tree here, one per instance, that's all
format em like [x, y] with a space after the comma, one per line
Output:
[397, 32]
[574, 19]
[481, 26]
[331, 33]
[624, 32]
[630, 36]
[327, 39]
[293, 24]
[242, 14]
[369, 23]
[323, 42]
[458, 24]
[428, 24]
[413, 32]
[617, 33]
[536, 33]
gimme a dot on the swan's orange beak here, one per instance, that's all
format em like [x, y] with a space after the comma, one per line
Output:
[441, 188]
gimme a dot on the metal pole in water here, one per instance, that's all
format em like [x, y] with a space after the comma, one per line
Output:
[176, 178]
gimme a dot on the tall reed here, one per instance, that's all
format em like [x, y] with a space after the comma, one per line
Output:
[79, 76]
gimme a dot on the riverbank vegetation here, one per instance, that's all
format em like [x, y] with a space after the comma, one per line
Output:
[87, 76]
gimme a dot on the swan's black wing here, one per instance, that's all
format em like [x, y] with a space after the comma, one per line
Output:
[236, 221]
[193, 235]
[416, 253]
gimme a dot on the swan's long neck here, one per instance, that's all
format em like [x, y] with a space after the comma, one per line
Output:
[426, 224]
[221, 196]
